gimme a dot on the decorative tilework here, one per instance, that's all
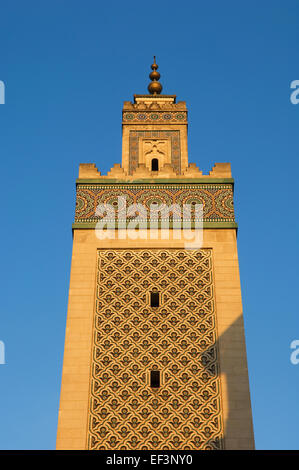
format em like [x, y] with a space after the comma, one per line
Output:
[157, 116]
[217, 199]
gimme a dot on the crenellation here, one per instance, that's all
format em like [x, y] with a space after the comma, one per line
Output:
[88, 170]
[219, 171]
[192, 171]
[116, 172]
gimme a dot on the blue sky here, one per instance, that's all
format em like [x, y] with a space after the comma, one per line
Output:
[67, 67]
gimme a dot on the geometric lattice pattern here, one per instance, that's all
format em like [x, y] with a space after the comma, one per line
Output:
[217, 199]
[178, 338]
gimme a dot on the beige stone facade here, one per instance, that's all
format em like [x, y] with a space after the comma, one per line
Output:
[196, 336]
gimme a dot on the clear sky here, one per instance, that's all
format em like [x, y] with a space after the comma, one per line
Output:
[68, 66]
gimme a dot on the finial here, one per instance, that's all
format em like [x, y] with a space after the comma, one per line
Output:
[155, 86]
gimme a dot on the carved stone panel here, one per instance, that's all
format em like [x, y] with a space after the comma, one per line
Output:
[154, 148]
[178, 339]
[174, 147]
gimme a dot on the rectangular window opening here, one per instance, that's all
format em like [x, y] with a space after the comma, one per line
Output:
[155, 301]
[155, 378]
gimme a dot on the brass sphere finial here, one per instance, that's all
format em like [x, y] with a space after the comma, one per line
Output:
[155, 86]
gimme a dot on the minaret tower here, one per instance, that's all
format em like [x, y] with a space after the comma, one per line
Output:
[155, 355]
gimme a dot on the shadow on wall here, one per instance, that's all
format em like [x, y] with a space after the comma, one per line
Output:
[237, 414]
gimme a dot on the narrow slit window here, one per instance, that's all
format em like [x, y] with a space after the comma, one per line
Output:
[155, 164]
[155, 301]
[155, 378]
